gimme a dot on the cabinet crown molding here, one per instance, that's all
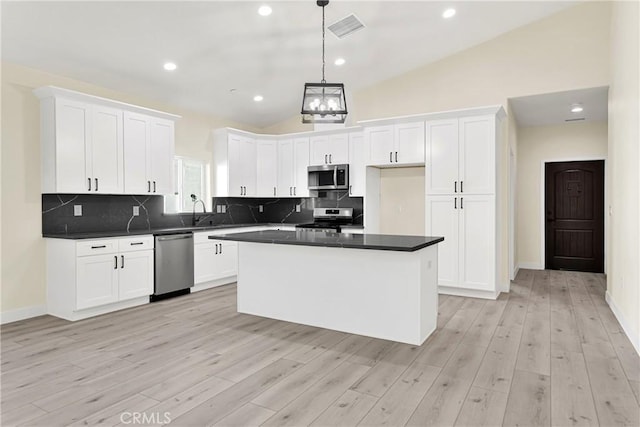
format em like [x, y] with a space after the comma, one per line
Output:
[496, 110]
[55, 92]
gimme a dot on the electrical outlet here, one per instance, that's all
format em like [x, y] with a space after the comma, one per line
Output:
[218, 209]
[136, 210]
[260, 208]
[77, 210]
[297, 208]
[224, 208]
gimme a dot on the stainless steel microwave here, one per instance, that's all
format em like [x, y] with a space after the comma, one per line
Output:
[329, 177]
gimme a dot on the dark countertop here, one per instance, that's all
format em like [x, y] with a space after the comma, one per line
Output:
[383, 242]
[155, 231]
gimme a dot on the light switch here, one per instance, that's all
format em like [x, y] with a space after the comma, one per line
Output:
[224, 208]
[77, 210]
[218, 209]
[297, 208]
[136, 210]
[260, 208]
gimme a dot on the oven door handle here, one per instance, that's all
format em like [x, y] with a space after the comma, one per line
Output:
[335, 176]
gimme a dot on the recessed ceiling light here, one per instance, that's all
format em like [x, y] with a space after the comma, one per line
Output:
[264, 10]
[258, 98]
[170, 66]
[449, 13]
[340, 61]
[576, 108]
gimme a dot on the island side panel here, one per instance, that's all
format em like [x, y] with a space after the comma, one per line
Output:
[382, 294]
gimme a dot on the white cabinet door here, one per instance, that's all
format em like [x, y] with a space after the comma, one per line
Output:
[204, 262]
[107, 156]
[161, 155]
[380, 145]
[441, 157]
[319, 150]
[339, 149]
[73, 156]
[135, 274]
[477, 237]
[96, 280]
[286, 168]
[357, 169]
[409, 138]
[477, 155]
[301, 172]
[236, 168]
[227, 259]
[442, 220]
[249, 160]
[267, 168]
[136, 152]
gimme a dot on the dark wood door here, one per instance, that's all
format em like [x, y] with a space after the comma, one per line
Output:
[574, 205]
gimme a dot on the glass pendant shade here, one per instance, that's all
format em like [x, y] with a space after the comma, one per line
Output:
[324, 103]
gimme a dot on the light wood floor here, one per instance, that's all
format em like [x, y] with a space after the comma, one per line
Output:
[548, 353]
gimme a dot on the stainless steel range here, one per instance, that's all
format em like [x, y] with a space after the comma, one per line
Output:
[329, 219]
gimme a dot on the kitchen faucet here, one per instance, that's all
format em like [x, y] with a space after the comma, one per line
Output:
[195, 200]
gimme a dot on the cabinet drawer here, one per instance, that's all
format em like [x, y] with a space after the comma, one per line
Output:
[139, 243]
[96, 247]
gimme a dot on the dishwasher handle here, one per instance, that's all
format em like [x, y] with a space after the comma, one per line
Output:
[175, 237]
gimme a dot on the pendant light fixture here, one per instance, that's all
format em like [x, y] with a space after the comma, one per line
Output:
[324, 102]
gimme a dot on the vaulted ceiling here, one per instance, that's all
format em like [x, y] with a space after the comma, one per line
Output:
[226, 53]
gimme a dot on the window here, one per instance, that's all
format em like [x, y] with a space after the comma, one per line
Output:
[191, 177]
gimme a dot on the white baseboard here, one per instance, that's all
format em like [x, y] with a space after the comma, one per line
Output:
[463, 292]
[628, 330]
[22, 313]
[530, 266]
[515, 272]
[213, 284]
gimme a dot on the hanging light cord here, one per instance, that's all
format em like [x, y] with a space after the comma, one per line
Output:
[323, 80]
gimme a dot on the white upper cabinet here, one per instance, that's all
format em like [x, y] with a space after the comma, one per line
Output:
[357, 168]
[293, 161]
[395, 144]
[441, 166]
[148, 147]
[329, 149]
[234, 165]
[95, 145]
[460, 156]
[267, 168]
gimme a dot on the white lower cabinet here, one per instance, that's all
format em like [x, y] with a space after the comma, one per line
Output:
[466, 258]
[215, 262]
[90, 277]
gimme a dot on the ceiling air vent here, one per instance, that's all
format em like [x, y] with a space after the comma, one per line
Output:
[346, 26]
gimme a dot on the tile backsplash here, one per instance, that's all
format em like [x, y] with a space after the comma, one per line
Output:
[115, 212]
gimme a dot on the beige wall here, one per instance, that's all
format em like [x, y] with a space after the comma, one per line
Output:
[571, 141]
[623, 259]
[23, 260]
[402, 201]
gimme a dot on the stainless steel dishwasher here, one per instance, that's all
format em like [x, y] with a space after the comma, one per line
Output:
[173, 265]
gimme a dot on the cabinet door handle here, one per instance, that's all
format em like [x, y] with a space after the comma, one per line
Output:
[148, 186]
[98, 247]
[390, 156]
[325, 159]
[461, 202]
[274, 191]
[122, 261]
[216, 249]
[294, 191]
[330, 161]
[221, 248]
[291, 191]
[396, 157]
[96, 184]
[136, 243]
[461, 186]
[455, 186]
[154, 186]
[89, 180]
[116, 260]
[455, 203]
[351, 189]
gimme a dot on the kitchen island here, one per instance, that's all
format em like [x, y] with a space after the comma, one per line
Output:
[383, 286]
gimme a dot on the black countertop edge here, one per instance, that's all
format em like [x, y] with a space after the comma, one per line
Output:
[156, 231]
[382, 242]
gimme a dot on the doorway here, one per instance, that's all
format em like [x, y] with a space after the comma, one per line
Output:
[574, 216]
